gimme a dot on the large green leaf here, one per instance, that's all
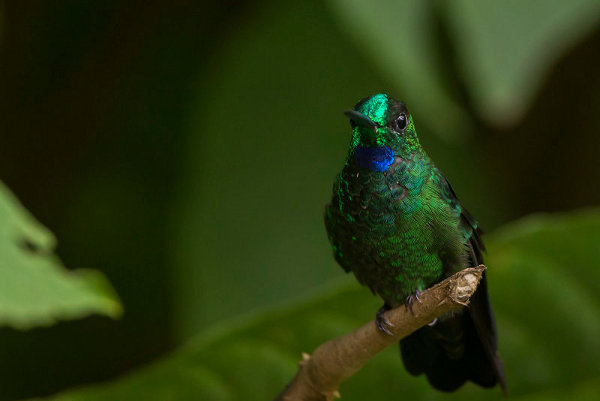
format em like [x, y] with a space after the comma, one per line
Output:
[545, 288]
[35, 289]
[398, 37]
[504, 49]
[507, 48]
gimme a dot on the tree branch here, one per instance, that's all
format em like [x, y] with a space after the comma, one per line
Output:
[320, 375]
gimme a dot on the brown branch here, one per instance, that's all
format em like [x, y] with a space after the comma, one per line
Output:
[320, 375]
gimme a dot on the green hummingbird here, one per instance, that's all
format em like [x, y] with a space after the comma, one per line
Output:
[397, 224]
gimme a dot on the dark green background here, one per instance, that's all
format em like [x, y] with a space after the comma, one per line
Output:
[186, 149]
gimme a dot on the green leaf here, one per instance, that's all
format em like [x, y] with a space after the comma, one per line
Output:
[35, 289]
[507, 48]
[398, 37]
[545, 289]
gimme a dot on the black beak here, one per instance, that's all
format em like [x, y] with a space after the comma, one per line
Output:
[360, 119]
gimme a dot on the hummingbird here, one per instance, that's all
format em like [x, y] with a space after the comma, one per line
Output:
[395, 222]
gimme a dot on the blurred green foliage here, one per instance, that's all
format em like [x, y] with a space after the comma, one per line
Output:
[543, 296]
[186, 150]
[507, 48]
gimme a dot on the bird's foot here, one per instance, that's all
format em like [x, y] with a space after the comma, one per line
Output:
[382, 323]
[433, 322]
[408, 303]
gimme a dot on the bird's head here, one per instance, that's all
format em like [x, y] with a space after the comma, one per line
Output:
[382, 128]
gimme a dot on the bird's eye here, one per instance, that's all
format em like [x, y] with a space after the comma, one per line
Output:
[401, 122]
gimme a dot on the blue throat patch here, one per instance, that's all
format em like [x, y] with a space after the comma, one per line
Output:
[375, 159]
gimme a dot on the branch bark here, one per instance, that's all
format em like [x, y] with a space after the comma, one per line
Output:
[320, 375]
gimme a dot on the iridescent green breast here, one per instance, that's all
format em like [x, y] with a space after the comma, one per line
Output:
[390, 228]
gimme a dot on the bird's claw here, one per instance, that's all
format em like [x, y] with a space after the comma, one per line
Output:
[382, 323]
[408, 303]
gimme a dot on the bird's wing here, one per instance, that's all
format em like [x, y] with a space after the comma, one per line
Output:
[480, 309]
[467, 223]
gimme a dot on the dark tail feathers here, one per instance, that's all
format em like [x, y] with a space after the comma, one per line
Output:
[457, 348]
